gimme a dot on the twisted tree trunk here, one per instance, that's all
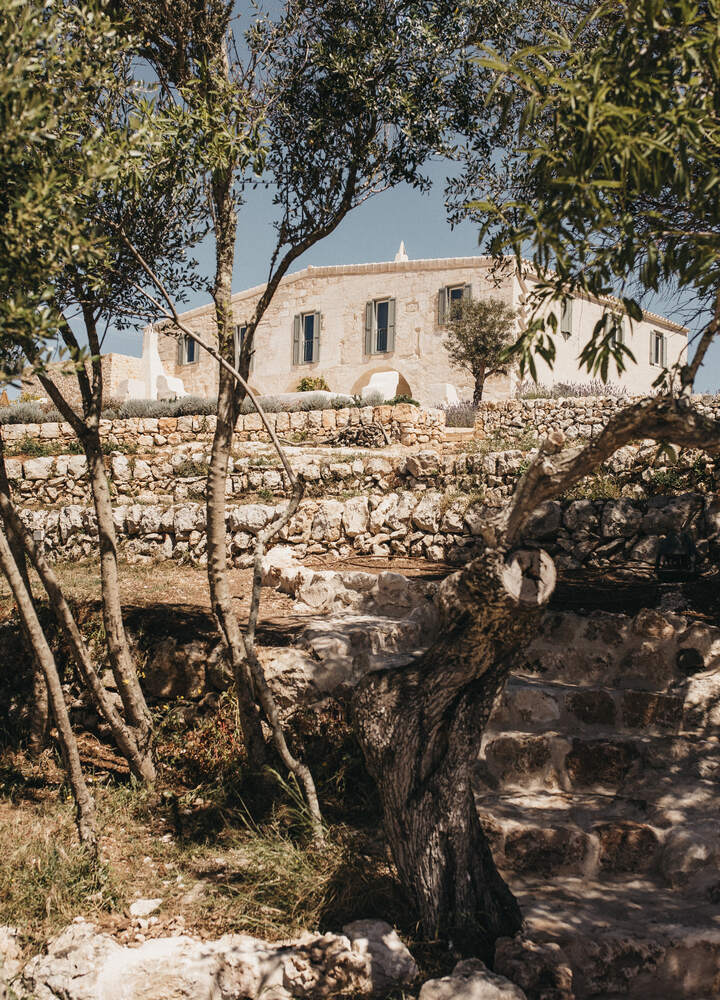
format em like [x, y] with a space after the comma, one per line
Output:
[420, 728]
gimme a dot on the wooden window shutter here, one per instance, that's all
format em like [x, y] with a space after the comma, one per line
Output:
[181, 349]
[467, 293]
[316, 337]
[297, 325]
[369, 323]
[652, 347]
[566, 318]
[442, 306]
[664, 350]
[391, 325]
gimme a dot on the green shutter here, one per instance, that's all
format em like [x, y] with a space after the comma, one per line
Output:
[369, 317]
[297, 324]
[391, 325]
[442, 306]
[180, 348]
[316, 337]
[467, 294]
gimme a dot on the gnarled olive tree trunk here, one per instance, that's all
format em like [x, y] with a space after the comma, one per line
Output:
[420, 728]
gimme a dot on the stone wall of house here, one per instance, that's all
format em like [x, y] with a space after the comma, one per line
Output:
[577, 417]
[115, 369]
[624, 533]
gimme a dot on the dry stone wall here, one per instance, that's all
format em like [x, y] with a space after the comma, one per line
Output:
[175, 474]
[403, 422]
[577, 417]
[624, 532]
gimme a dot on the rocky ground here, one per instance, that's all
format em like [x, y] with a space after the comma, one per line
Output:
[597, 786]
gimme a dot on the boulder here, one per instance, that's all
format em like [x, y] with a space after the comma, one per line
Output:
[471, 980]
[542, 970]
[81, 964]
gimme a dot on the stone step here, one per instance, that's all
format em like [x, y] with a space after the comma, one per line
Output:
[551, 833]
[531, 704]
[626, 939]
[650, 651]
[647, 767]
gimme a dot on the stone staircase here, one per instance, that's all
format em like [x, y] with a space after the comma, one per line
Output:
[598, 787]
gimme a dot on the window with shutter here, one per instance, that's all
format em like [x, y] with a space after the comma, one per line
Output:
[306, 338]
[391, 326]
[455, 296]
[188, 351]
[240, 331]
[442, 306]
[657, 349]
[566, 320]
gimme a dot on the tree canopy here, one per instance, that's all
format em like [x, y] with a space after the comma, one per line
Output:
[479, 333]
[615, 126]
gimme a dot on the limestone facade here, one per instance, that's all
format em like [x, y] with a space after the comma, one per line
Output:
[343, 302]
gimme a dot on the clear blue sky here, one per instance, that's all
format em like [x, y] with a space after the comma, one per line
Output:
[372, 233]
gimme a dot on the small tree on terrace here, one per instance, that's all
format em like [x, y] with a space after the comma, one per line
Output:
[479, 332]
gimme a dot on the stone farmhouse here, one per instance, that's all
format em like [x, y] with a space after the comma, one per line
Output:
[363, 326]
[351, 323]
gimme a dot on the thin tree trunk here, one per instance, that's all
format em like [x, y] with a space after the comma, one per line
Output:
[87, 430]
[123, 667]
[420, 729]
[84, 804]
[140, 763]
[227, 411]
[479, 386]
[40, 708]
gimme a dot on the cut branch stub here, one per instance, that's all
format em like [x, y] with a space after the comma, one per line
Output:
[529, 577]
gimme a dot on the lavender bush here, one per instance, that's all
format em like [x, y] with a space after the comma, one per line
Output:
[569, 390]
[460, 414]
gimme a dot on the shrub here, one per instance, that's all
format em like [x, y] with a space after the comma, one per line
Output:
[569, 390]
[460, 414]
[402, 398]
[28, 413]
[311, 383]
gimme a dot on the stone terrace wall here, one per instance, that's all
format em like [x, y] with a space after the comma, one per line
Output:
[405, 423]
[623, 532]
[581, 416]
[178, 474]
[171, 475]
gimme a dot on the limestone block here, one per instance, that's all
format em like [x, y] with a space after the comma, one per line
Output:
[355, 516]
[471, 980]
[620, 519]
[77, 466]
[423, 463]
[50, 431]
[142, 472]
[252, 422]
[120, 467]
[426, 515]
[37, 469]
[14, 469]
[250, 517]
[391, 964]
[327, 521]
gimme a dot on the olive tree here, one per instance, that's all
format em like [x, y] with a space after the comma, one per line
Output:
[479, 332]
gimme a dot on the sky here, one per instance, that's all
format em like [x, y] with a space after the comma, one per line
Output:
[371, 233]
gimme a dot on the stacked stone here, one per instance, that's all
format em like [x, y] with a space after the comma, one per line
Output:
[409, 425]
[581, 416]
[178, 473]
[622, 533]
